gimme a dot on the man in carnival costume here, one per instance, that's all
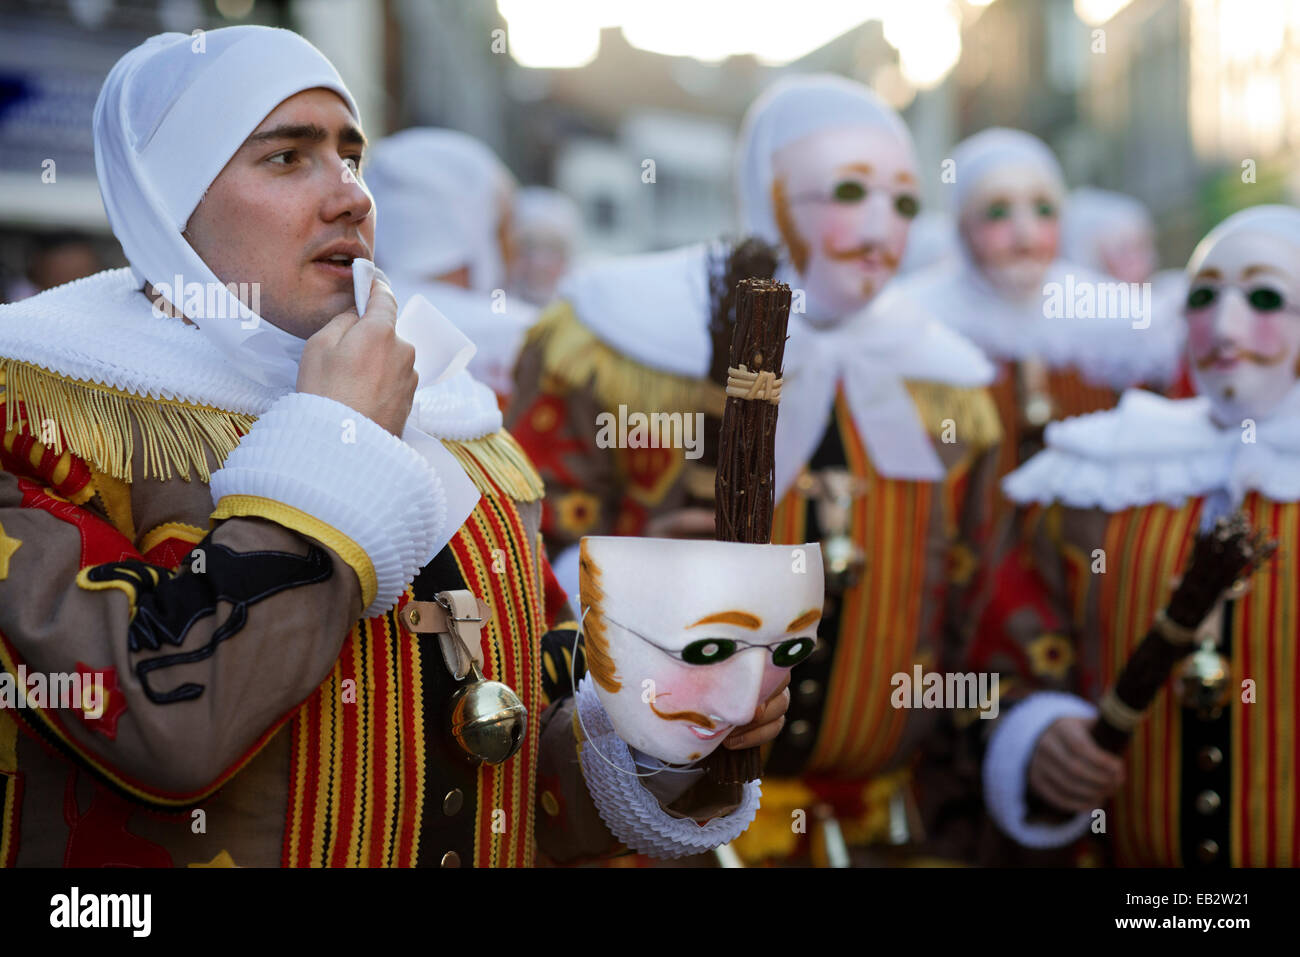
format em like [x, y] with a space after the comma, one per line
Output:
[271, 562]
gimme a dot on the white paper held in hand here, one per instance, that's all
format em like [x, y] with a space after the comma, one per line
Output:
[441, 349]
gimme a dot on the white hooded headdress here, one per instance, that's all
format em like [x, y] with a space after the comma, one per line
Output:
[170, 115]
[1091, 215]
[441, 193]
[787, 111]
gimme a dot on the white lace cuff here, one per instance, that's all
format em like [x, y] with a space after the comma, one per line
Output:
[630, 811]
[325, 470]
[1006, 768]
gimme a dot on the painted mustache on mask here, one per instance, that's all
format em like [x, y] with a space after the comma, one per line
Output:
[1247, 355]
[886, 258]
[694, 717]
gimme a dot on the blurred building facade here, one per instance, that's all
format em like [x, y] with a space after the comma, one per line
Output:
[1191, 105]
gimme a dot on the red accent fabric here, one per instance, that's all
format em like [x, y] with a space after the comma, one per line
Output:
[99, 837]
[553, 596]
[545, 446]
[101, 543]
[1016, 585]
[169, 553]
[114, 704]
[18, 462]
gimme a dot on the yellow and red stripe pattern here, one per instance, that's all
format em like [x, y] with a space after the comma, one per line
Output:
[1146, 549]
[1151, 545]
[880, 618]
[1265, 742]
[62, 472]
[358, 772]
[1072, 395]
[512, 655]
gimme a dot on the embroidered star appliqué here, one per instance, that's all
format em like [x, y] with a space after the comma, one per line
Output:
[110, 708]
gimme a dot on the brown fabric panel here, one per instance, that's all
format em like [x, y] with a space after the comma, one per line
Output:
[251, 681]
[568, 826]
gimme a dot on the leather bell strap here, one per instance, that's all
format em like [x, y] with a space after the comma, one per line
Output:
[458, 631]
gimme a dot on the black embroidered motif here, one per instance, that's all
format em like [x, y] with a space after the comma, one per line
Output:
[558, 655]
[168, 606]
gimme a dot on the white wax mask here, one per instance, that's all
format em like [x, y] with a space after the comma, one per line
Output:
[1243, 323]
[844, 198]
[1010, 226]
[1129, 253]
[685, 639]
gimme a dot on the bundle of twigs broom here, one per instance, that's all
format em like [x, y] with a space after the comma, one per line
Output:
[744, 490]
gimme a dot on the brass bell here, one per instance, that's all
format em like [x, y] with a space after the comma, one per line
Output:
[487, 719]
[1205, 681]
[843, 562]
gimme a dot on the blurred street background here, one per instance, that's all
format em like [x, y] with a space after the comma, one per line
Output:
[1191, 105]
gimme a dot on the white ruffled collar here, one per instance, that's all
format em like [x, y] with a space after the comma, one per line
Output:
[1108, 352]
[655, 309]
[1150, 449]
[652, 308]
[871, 356]
[102, 329]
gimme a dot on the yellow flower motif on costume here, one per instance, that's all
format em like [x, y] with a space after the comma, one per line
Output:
[1051, 655]
[577, 512]
[544, 418]
[961, 563]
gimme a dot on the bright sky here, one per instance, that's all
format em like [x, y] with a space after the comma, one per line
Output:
[566, 33]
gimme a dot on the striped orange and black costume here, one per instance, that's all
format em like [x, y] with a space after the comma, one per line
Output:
[1198, 790]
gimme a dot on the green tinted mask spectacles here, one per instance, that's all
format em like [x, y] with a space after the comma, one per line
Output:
[711, 651]
[1260, 298]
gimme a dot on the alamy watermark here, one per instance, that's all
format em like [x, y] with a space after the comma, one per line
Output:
[951, 690]
[75, 690]
[653, 430]
[1087, 299]
[209, 300]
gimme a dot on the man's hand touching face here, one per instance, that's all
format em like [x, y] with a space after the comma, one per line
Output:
[290, 212]
[362, 362]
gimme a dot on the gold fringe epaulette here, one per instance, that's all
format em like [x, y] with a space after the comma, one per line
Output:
[971, 410]
[574, 355]
[96, 423]
[498, 459]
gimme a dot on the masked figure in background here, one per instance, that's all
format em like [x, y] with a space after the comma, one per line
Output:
[1064, 340]
[932, 241]
[546, 232]
[302, 597]
[1117, 498]
[826, 173]
[1114, 234]
[445, 235]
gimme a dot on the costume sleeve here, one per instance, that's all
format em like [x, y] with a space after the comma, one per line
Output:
[202, 661]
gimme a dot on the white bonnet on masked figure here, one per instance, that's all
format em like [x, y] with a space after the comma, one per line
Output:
[789, 110]
[440, 194]
[171, 114]
[1276, 220]
[1091, 216]
[988, 150]
[549, 212]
